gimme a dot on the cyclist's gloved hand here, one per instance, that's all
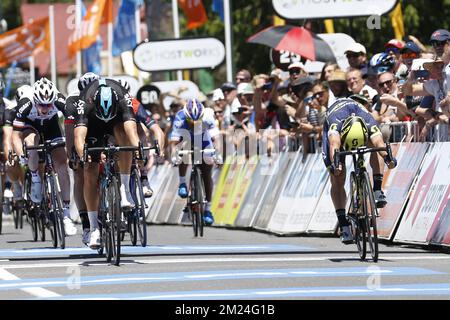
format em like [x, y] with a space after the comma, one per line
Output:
[176, 160]
[391, 163]
[218, 159]
[22, 160]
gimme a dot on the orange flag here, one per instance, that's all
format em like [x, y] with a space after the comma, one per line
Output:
[195, 13]
[99, 13]
[22, 42]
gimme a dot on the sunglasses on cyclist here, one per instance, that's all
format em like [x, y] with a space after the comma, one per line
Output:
[410, 55]
[45, 105]
[388, 83]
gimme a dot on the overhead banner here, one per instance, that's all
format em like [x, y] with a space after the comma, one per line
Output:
[178, 54]
[20, 43]
[397, 184]
[308, 9]
[429, 197]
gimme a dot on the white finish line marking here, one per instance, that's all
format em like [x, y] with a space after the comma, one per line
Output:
[35, 291]
[213, 260]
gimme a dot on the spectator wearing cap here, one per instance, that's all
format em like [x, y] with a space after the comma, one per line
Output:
[230, 93]
[338, 85]
[410, 52]
[440, 40]
[243, 76]
[242, 116]
[357, 57]
[437, 86]
[393, 47]
[357, 85]
[219, 102]
[296, 70]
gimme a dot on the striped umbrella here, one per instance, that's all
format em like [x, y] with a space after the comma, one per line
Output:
[295, 39]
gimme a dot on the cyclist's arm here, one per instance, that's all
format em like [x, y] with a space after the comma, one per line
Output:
[7, 139]
[60, 103]
[159, 136]
[80, 133]
[334, 140]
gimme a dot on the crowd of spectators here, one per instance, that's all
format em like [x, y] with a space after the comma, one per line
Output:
[406, 87]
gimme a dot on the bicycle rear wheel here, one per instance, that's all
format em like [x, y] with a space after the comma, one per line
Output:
[33, 220]
[115, 219]
[137, 192]
[357, 228]
[370, 217]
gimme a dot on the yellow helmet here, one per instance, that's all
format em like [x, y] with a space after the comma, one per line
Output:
[354, 133]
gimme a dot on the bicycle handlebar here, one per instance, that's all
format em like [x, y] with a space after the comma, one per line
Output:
[360, 151]
[47, 145]
[185, 152]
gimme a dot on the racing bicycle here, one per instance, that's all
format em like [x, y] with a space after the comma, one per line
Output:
[362, 212]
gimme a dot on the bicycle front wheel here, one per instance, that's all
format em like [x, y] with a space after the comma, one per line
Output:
[114, 220]
[370, 217]
[137, 192]
[200, 195]
[354, 211]
[58, 209]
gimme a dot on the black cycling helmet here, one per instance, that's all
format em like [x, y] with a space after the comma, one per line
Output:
[106, 102]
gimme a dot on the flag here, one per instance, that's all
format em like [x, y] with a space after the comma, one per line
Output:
[195, 13]
[125, 27]
[91, 55]
[397, 22]
[20, 43]
[329, 25]
[217, 7]
[86, 35]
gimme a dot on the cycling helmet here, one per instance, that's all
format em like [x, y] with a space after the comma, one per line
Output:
[45, 91]
[354, 133]
[124, 84]
[85, 79]
[193, 109]
[382, 62]
[106, 101]
[24, 91]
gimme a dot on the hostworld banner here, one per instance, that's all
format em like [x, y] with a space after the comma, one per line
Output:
[179, 54]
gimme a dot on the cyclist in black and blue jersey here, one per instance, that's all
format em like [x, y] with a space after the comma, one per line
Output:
[348, 126]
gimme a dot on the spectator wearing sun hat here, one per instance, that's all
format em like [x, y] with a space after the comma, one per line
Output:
[357, 57]
[338, 84]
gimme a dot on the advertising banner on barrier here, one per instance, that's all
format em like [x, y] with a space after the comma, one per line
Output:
[397, 184]
[299, 198]
[157, 178]
[265, 208]
[222, 197]
[239, 191]
[265, 169]
[428, 198]
[167, 196]
[324, 220]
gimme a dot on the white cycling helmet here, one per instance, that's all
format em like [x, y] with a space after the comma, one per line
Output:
[85, 79]
[24, 91]
[125, 84]
[44, 91]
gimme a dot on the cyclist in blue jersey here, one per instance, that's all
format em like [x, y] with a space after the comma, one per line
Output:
[348, 126]
[195, 124]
